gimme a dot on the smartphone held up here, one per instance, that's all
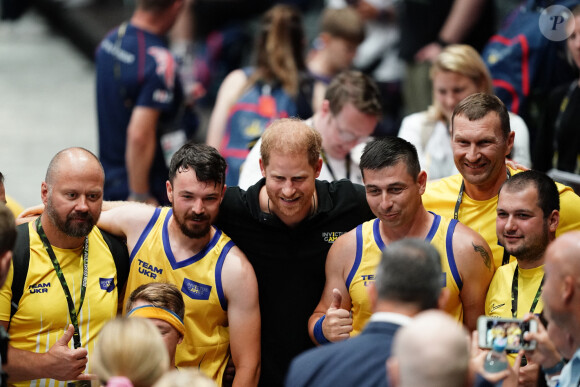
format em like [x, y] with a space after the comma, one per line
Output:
[510, 329]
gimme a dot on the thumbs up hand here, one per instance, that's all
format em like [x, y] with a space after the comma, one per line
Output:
[64, 362]
[338, 322]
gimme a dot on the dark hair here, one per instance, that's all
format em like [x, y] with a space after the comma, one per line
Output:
[548, 195]
[389, 151]
[205, 160]
[410, 272]
[354, 87]
[1, 178]
[479, 105]
[159, 294]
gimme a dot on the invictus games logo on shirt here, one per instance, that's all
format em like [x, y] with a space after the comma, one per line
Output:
[195, 290]
[149, 270]
[41, 287]
[331, 236]
[107, 284]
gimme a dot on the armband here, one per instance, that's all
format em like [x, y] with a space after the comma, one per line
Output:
[555, 369]
[441, 42]
[318, 335]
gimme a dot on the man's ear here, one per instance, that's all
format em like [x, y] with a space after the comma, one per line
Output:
[510, 142]
[262, 168]
[422, 181]
[169, 189]
[553, 221]
[318, 168]
[44, 192]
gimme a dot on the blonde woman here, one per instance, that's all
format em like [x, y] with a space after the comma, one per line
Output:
[457, 72]
[130, 353]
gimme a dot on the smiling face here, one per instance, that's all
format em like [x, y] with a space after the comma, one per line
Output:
[449, 88]
[195, 203]
[521, 227]
[479, 150]
[393, 195]
[290, 185]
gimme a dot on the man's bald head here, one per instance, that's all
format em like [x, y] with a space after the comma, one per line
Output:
[432, 350]
[561, 291]
[69, 157]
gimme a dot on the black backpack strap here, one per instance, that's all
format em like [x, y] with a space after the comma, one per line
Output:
[20, 262]
[120, 254]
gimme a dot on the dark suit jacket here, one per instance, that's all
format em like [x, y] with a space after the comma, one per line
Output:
[359, 361]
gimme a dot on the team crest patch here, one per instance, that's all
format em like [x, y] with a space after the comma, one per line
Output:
[107, 284]
[195, 290]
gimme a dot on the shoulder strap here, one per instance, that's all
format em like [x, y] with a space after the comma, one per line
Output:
[121, 257]
[20, 262]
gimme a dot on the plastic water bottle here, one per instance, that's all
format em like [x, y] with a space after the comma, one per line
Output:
[496, 359]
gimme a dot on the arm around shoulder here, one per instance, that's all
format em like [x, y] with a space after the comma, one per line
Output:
[241, 293]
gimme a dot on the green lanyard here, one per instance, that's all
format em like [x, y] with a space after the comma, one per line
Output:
[515, 294]
[506, 256]
[71, 306]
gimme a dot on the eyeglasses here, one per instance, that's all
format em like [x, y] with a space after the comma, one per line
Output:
[348, 136]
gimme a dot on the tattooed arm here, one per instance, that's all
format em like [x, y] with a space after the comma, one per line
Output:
[475, 265]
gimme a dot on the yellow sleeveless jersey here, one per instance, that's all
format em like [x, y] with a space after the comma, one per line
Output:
[480, 215]
[369, 245]
[42, 316]
[207, 338]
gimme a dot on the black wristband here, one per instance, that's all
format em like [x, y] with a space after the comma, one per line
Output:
[441, 42]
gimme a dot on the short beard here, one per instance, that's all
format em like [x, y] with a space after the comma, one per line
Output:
[66, 226]
[194, 233]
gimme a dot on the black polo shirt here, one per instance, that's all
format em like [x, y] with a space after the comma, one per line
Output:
[289, 262]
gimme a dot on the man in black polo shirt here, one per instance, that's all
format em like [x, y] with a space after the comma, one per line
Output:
[285, 224]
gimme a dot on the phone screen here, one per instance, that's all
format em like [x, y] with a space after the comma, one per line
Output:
[513, 331]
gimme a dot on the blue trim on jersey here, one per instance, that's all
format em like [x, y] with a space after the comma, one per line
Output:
[434, 227]
[145, 233]
[218, 274]
[357, 257]
[450, 257]
[167, 246]
[377, 235]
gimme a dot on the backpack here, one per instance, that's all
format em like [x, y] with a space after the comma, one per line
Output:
[21, 261]
[249, 117]
[524, 64]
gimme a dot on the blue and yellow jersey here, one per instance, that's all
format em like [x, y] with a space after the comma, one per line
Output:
[207, 338]
[369, 245]
[42, 316]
